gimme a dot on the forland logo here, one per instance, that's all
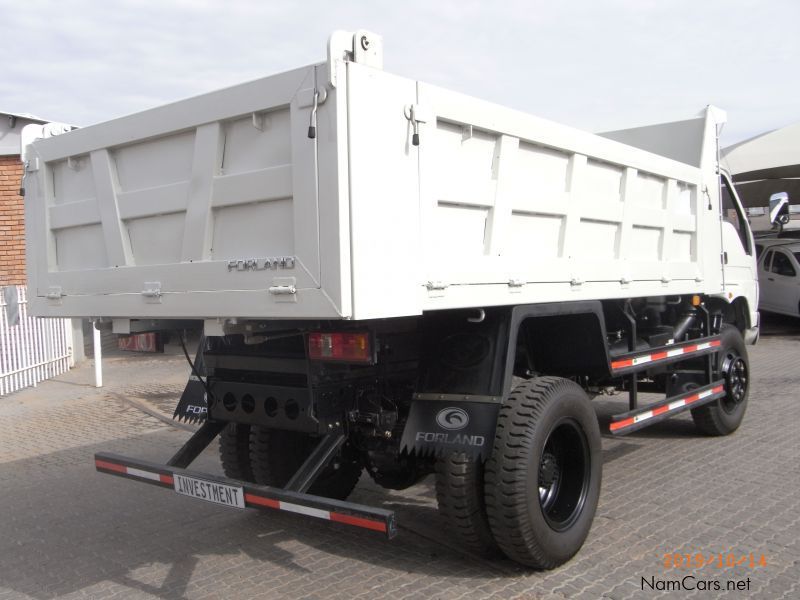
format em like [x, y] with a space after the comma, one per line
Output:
[452, 418]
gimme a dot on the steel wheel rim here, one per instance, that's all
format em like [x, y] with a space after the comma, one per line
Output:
[734, 370]
[563, 474]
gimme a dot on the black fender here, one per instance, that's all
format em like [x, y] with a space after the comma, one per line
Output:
[470, 356]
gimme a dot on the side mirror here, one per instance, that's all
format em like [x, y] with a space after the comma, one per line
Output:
[779, 209]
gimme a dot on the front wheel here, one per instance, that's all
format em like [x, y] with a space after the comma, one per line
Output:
[542, 481]
[724, 416]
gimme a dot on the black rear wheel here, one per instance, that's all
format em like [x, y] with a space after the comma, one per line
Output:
[459, 493]
[234, 451]
[564, 474]
[542, 481]
[276, 455]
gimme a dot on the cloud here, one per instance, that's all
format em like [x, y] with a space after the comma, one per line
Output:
[596, 65]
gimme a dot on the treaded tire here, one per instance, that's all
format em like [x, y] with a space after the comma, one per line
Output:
[724, 416]
[234, 451]
[459, 493]
[275, 455]
[543, 419]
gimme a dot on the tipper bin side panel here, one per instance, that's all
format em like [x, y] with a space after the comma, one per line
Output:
[195, 209]
[518, 209]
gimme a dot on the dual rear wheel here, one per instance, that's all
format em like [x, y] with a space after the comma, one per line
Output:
[270, 457]
[535, 498]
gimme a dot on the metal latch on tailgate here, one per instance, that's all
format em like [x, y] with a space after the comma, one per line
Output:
[54, 293]
[312, 97]
[436, 288]
[152, 292]
[417, 114]
[284, 289]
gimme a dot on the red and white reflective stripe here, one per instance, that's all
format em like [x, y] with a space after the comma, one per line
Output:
[656, 356]
[132, 472]
[660, 410]
[315, 512]
[251, 499]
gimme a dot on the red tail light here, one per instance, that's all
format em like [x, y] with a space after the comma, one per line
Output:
[342, 347]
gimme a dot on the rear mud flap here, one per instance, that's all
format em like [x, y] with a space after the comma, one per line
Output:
[193, 405]
[441, 426]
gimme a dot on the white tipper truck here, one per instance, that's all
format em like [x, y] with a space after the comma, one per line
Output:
[395, 278]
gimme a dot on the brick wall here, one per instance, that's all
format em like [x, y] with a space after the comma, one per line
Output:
[12, 223]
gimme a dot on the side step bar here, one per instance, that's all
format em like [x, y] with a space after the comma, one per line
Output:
[642, 360]
[634, 420]
[254, 496]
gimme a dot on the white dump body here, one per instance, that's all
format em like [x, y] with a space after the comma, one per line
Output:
[222, 206]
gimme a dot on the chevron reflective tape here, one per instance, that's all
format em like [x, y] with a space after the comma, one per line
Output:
[654, 357]
[660, 410]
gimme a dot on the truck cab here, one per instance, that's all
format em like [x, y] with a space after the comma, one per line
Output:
[740, 274]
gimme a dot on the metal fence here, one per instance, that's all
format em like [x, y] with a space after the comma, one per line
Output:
[31, 349]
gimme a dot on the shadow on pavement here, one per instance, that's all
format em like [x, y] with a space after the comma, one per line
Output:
[80, 530]
[779, 325]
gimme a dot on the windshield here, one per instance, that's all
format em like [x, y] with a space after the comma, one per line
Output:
[796, 256]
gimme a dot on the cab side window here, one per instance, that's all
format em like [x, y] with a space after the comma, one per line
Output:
[781, 265]
[733, 215]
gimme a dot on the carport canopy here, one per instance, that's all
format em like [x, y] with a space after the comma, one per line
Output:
[766, 164]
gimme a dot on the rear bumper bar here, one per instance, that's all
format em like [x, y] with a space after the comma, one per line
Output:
[255, 496]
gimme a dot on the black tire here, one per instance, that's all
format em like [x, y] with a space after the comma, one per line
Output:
[724, 416]
[234, 451]
[542, 481]
[459, 493]
[275, 456]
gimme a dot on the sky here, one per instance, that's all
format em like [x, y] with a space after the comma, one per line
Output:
[597, 65]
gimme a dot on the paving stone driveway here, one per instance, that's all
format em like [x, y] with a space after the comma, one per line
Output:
[66, 531]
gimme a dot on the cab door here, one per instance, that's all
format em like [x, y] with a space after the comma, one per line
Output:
[738, 249]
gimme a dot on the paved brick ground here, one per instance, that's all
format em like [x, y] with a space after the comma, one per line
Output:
[66, 531]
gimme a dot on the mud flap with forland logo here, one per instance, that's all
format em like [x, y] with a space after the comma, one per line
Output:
[440, 426]
[193, 405]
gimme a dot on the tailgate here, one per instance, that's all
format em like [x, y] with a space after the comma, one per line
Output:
[207, 207]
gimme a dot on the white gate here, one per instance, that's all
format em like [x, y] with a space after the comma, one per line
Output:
[31, 349]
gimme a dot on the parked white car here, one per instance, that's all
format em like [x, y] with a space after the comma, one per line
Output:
[779, 275]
